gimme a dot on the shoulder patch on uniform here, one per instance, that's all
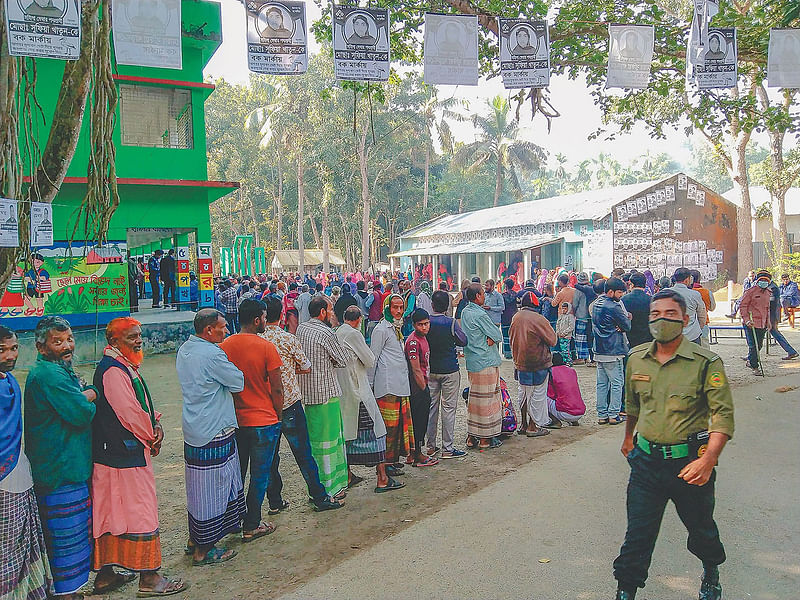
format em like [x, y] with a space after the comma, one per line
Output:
[716, 379]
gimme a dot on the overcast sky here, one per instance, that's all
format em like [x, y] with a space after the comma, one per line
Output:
[569, 132]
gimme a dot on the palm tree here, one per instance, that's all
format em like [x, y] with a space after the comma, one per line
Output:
[435, 113]
[497, 144]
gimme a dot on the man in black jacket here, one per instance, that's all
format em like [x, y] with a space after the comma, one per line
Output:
[168, 279]
[637, 302]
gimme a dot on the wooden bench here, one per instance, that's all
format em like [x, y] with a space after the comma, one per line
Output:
[714, 333]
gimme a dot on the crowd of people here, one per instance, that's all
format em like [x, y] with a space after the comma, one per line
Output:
[350, 370]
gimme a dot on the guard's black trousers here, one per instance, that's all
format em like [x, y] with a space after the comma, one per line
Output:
[652, 483]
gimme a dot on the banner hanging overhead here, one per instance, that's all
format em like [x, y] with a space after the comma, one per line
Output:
[783, 60]
[361, 43]
[524, 53]
[41, 224]
[451, 49]
[703, 11]
[147, 34]
[277, 39]
[44, 28]
[9, 224]
[718, 67]
[630, 54]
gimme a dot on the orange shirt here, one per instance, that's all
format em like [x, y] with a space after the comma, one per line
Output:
[254, 357]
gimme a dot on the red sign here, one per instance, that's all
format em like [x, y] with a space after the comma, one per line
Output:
[205, 265]
[183, 266]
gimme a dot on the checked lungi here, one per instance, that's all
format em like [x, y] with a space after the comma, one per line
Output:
[214, 490]
[327, 444]
[367, 449]
[396, 413]
[24, 568]
[484, 404]
[67, 524]
[581, 339]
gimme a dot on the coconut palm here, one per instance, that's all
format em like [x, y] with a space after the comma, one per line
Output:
[435, 113]
[497, 144]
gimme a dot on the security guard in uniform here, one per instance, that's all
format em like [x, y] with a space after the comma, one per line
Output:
[680, 404]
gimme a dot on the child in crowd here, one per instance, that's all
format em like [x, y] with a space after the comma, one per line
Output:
[565, 329]
[564, 399]
[418, 357]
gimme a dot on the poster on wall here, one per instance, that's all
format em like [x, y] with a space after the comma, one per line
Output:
[629, 56]
[718, 66]
[147, 34]
[524, 53]
[9, 224]
[276, 37]
[361, 43]
[451, 49]
[44, 28]
[41, 224]
[783, 58]
[62, 280]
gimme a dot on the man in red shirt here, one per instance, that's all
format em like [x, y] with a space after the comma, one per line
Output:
[258, 409]
[418, 354]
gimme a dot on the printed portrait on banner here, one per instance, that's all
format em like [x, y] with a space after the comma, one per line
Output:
[524, 53]
[44, 28]
[630, 55]
[718, 68]
[147, 33]
[361, 43]
[276, 37]
[451, 49]
[783, 61]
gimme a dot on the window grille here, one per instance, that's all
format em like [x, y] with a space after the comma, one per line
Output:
[154, 117]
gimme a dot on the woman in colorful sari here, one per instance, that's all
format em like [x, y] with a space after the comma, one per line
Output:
[390, 384]
[542, 280]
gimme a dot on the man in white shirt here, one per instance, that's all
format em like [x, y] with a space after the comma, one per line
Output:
[695, 307]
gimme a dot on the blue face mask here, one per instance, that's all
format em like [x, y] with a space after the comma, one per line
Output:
[763, 284]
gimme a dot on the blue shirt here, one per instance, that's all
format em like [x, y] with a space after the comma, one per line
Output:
[494, 300]
[445, 334]
[207, 381]
[478, 326]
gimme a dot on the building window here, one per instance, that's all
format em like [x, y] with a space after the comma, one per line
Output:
[153, 117]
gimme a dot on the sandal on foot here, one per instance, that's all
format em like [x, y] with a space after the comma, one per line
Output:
[495, 443]
[341, 495]
[553, 425]
[429, 461]
[393, 471]
[602, 421]
[274, 511]
[472, 442]
[214, 557]
[262, 530]
[390, 486]
[166, 587]
[328, 503]
[538, 433]
[118, 581]
[354, 481]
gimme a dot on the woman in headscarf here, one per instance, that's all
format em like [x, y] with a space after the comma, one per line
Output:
[424, 296]
[390, 384]
[542, 280]
[649, 282]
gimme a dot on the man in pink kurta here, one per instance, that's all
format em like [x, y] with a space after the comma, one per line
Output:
[126, 436]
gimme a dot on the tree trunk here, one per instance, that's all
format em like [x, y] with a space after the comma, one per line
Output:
[498, 183]
[314, 232]
[326, 242]
[779, 205]
[362, 162]
[741, 185]
[427, 176]
[256, 234]
[279, 207]
[301, 196]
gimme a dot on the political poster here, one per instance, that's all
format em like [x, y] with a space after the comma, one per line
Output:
[717, 68]
[524, 53]
[277, 42]
[361, 43]
[41, 224]
[702, 12]
[451, 49]
[630, 53]
[783, 59]
[44, 28]
[147, 33]
[9, 224]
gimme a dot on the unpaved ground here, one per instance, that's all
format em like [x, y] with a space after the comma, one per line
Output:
[308, 544]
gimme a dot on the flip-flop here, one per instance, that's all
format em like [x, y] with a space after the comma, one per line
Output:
[392, 471]
[538, 433]
[180, 586]
[118, 583]
[429, 461]
[354, 481]
[274, 511]
[214, 557]
[263, 529]
[495, 443]
[390, 486]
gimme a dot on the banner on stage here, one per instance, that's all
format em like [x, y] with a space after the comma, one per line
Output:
[277, 43]
[361, 43]
[718, 67]
[451, 49]
[44, 28]
[630, 54]
[783, 59]
[147, 34]
[524, 53]
[41, 224]
[9, 224]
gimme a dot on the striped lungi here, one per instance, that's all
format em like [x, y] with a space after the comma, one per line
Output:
[367, 449]
[327, 444]
[581, 339]
[396, 413]
[67, 523]
[214, 490]
[506, 340]
[24, 568]
[132, 551]
[484, 404]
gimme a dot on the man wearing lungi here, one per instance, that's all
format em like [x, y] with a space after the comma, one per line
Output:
[24, 570]
[59, 409]
[214, 490]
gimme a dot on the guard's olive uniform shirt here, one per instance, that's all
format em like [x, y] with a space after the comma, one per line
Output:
[677, 399]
